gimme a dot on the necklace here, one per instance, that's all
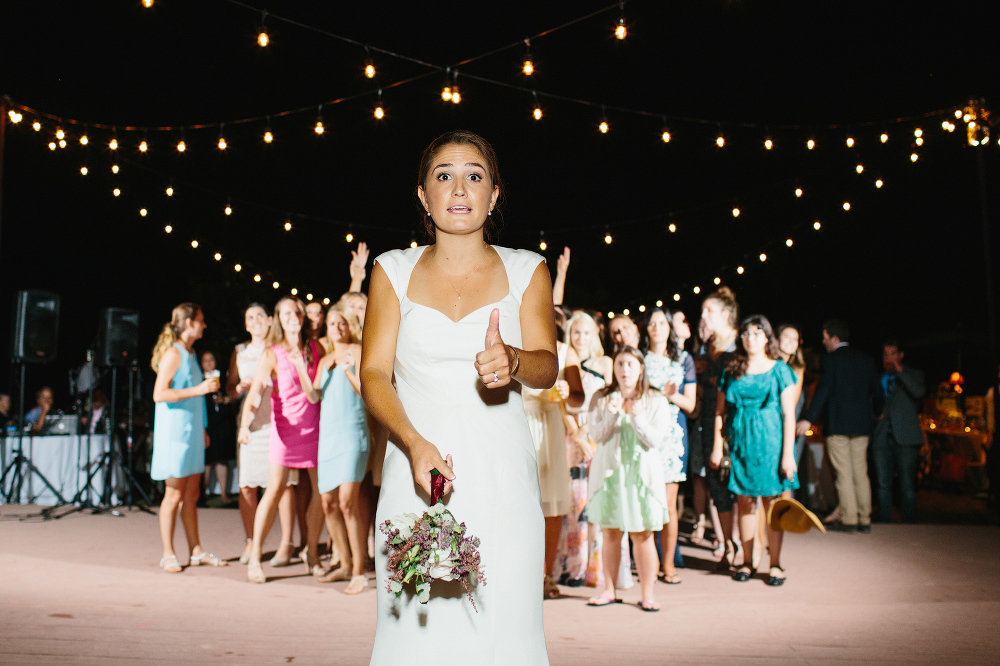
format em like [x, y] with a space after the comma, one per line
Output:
[451, 285]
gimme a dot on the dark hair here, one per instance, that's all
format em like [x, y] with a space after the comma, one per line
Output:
[892, 342]
[673, 346]
[38, 393]
[797, 361]
[737, 366]
[255, 304]
[642, 384]
[491, 228]
[837, 328]
[726, 298]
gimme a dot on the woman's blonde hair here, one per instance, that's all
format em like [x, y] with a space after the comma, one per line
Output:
[276, 334]
[347, 312]
[596, 348]
[172, 331]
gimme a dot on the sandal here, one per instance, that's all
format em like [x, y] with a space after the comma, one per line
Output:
[315, 568]
[549, 589]
[743, 574]
[669, 579]
[776, 581]
[170, 564]
[255, 572]
[603, 600]
[245, 557]
[648, 605]
[334, 576]
[283, 561]
[358, 584]
[212, 560]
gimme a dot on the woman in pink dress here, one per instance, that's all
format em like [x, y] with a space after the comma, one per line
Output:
[291, 363]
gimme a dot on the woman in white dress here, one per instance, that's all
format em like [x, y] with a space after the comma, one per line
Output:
[462, 325]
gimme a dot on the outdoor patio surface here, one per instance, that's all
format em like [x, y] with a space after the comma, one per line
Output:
[86, 589]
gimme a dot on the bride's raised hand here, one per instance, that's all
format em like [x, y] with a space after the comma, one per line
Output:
[493, 364]
[425, 457]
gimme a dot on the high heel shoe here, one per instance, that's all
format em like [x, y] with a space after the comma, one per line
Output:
[245, 557]
[283, 561]
[315, 568]
[255, 572]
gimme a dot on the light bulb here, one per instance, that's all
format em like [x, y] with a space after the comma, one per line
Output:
[413, 243]
[798, 191]
[918, 132]
[859, 168]
[147, 3]
[850, 142]
[659, 304]
[739, 269]
[194, 244]
[543, 246]
[114, 168]
[60, 134]
[446, 93]
[52, 145]
[229, 210]
[262, 38]
[268, 137]
[84, 140]
[672, 227]
[379, 112]
[677, 297]
[83, 170]
[222, 143]
[181, 146]
[642, 308]
[944, 124]
[768, 144]
[168, 229]
[537, 113]
[626, 312]
[951, 127]
[720, 141]
[295, 291]
[370, 70]
[913, 157]
[611, 315]
[288, 225]
[117, 192]
[789, 242]
[256, 278]
[319, 129]
[717, 281]
[816, 225]
[620, 30]
[456, 96]
[665, 137]
[847, 205]
[763, 257]
[608, 239]
[36, 126]
[237, 268]
[349, 237]
[958, 113]
[143, 212]
[218, 256]
[884, 137]
[170, 191]
[309, 297]
[697, 290]
[15, 117]
[275, 284]
[326, 301]
[920, 141]
[603, 127]
[62, 143]
[810, 144]
[528, 67]
[878, 183]
[736, 212]
[143, 147]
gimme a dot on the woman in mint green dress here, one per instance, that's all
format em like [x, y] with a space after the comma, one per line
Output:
[756, 415]
[631, 425]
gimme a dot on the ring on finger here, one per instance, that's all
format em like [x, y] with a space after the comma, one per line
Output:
[496, 378]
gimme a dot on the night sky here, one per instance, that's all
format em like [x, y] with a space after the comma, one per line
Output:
[906, 261]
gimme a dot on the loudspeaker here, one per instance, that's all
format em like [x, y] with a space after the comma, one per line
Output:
[36, 327]
[117, 337]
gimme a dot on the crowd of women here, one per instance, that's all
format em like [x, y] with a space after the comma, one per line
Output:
[640, 409]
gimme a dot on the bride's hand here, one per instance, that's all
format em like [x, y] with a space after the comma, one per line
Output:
[493, 365]
[425, 457]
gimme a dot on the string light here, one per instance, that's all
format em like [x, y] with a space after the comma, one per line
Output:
[659, 304]
[147, 3]
[789, 242]
[83, 170]
[798, 191]
[918, 132]
[170, 191]
[262, 37]
[717, 281]
[379, 111]
[256, 278]
[542, 245]
[642, 308]
[763, 257]
[697, 290]
[860, 168]
[60, 134]
[850, 142]
[528, 66]
[884, 137]
[919, 141]
[294, 292]
[268, 137]
[143, 212]
[117, 192]
[288, 224]
[326, 301]
[677, 297]
[739, 269]
[672, 228]
[222, 139]
[217, 256]
[537, 111]
[456, 96]
[194, 244]
[665, 135]
[720, 141]
[446, 93]
[913, 157]
[607, 236]
[169, 229]
[15, 117]
[768, 144]
[413, 243]
[847, 205]
[944, 125]
[626, 312]
[309, 297]
[620, 30]
[810, 144]
[228, 210]
[36, 126]
[603, 127]
[349, 237]
[736, 212]
[319, 129]
[237, 268]
[62, 143]
[611, 315]
[181, 146]
[958, 113]
[52, 145]
[878, 183]
[143, 146]
[84, 139]
[370, 70]
[275, 284]
[114, 168]
[816, 225]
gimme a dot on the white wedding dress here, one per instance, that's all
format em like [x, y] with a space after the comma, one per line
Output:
[495, 492]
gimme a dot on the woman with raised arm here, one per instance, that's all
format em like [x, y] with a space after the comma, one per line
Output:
[462, 325]
[291, 363]
[755, 413]
[343, 448]
[179, 437]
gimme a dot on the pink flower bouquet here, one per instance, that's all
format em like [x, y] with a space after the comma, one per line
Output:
[434, 546]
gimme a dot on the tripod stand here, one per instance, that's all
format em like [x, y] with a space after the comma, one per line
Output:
[19, 461]
[113, 455]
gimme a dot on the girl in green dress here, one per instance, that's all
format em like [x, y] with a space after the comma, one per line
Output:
[756, 414]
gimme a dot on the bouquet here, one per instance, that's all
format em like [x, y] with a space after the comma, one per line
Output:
[429, 547]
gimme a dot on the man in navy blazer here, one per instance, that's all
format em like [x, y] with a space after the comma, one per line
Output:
[847, 389]
[897, 439]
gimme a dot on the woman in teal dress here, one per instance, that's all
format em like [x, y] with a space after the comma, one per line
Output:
[344, 443]
[179, 437]
[756, 415]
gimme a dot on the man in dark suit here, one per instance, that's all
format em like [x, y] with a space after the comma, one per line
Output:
[897, 439]
[846, 388]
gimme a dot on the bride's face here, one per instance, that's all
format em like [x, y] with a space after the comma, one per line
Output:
[459, 191]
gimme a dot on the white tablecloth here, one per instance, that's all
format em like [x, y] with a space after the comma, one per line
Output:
[56, 459]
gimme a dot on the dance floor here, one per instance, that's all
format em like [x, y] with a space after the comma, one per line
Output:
[86, 589]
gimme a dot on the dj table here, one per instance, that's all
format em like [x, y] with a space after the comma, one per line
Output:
[56, 457]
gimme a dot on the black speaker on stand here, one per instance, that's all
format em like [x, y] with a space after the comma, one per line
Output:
[33, 340]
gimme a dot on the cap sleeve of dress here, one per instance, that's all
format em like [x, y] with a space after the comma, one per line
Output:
[786, 376]
[520, 266]
[398, 264]
[690, 377]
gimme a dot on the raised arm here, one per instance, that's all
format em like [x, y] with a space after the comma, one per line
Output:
[378, 351]
[359, 260]
[559, 284]
[169, 365]
[250, 406]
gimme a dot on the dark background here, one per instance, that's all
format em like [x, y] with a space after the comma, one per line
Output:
[907, 261]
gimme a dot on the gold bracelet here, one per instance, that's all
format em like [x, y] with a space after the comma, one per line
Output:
[517, 361]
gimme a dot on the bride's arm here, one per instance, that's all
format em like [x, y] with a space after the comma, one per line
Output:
[538, 366]
[378, 351]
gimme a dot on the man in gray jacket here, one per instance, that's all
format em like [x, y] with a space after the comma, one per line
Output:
[897, 438]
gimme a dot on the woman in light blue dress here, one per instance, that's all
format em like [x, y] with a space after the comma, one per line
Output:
[343, 447]
[179, 437]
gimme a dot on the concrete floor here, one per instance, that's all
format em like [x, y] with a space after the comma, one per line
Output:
[86, 589]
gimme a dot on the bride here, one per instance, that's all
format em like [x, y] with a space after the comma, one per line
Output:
[461, 325]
